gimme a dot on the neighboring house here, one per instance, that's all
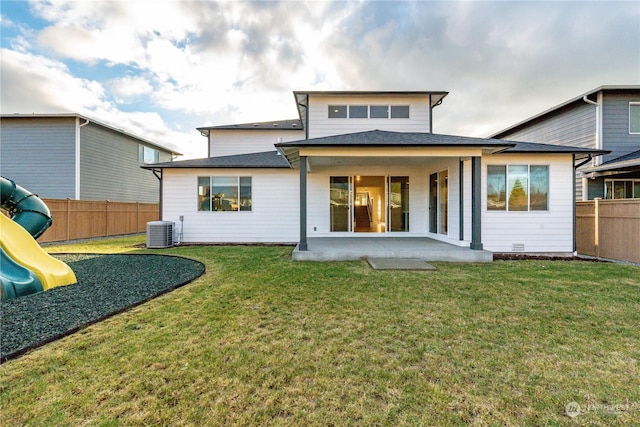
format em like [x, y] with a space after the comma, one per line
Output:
[72, 156]
[365, 164]
[606, 118]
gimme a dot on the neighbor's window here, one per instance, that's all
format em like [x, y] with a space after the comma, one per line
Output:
[634, 117]
[337, 111]
[517, 188]
[147, 154]
[622, 188]
[224, 193]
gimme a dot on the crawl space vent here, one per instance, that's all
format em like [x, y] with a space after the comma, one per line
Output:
[517, 247]
[159, 234]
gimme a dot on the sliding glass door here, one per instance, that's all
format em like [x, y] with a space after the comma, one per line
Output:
[398, 203]
[372, 204]
[439, 202]
[340, 203]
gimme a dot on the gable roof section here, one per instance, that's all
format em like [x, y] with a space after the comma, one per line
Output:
[268, 160]
[289, 124]
[567, 104]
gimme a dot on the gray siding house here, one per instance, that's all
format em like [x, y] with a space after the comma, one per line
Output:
[72, 156]
[606, 118]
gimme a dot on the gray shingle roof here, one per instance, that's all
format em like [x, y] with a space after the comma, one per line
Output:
[269, 159]
[631, 156]
[290, 124]
[380, 138]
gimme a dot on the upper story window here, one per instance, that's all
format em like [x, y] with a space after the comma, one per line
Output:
[337, 111]
[634, 117]
[147, 154]
[368, 112]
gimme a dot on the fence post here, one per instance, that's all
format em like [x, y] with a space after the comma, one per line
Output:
[106, 218]
[68, 219]
[596, 226]
[137, 216]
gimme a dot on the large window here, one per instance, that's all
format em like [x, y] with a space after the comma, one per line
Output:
[369, 111]
[224, 193]
[517, 188]
[622, 188]
[634, 117]
[148, 154]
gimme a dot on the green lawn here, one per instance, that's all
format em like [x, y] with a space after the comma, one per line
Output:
[261, 340]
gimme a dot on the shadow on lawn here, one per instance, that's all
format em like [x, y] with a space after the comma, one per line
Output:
[107, 285]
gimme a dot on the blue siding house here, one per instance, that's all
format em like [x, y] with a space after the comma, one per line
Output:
[71, 156]
[605, 118]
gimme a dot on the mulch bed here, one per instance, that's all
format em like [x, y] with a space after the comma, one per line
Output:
[107, 285]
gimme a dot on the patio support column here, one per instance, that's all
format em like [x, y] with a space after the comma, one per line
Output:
[476, 204]
[302, 246]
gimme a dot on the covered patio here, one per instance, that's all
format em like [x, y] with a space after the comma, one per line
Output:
[354, 248]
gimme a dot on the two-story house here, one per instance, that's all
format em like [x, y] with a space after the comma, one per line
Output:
[605, 118]
[366, 167]
[62, 156]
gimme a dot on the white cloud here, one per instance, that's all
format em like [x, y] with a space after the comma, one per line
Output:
[130, 87]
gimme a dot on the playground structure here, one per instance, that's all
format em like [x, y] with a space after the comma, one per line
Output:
[25, 268]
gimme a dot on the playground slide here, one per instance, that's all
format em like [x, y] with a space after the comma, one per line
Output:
[30, 217]
[24, 249]
[16, 280]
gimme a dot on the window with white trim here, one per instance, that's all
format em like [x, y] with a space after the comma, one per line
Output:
[148, 154]
[634, 117]
[517, 188]
[224, 193]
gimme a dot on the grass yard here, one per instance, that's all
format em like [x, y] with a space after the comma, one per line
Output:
[261, 340]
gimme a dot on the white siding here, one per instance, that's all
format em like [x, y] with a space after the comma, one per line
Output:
[321, 125]
[274, 217]
[226, 142]
[540, 231]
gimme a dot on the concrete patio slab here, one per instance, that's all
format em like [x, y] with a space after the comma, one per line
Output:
[399, 264]
[354, 248]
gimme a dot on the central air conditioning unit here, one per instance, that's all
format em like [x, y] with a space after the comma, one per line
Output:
[159, 234]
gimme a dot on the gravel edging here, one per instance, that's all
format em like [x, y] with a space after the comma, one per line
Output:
[107, 285]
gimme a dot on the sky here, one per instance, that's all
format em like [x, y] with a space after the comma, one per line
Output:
[158, 69]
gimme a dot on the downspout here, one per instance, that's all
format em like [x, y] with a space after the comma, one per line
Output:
[158, 174]
[461, 198]
[77, 159]
[431, 107]
[430, 115]
[208, 136]
[573, 205]
[585, 98]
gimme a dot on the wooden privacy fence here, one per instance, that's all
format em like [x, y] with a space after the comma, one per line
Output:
[609, 229]
[83, 219]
